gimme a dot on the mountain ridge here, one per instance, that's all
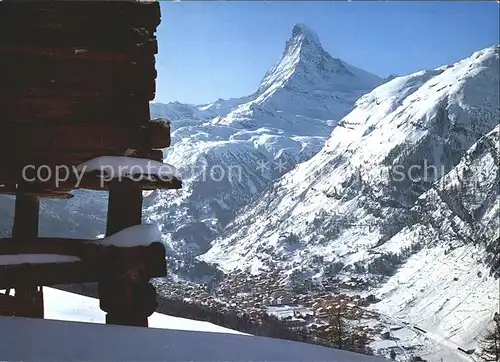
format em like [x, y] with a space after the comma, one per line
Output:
[421, 116]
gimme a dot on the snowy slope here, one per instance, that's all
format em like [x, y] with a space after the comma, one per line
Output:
[230, 150]
[448, 285]
[65, 306]
[355, 194]
[70, 341]
[169, 339]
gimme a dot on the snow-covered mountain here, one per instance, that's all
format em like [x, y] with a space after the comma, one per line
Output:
[405, 194]
[307, 83]
[340, 209]
[230, 150]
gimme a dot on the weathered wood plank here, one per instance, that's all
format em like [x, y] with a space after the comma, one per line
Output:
[11, 171]
[76, 82]
[48, 274]
[21, 137]
[123, 13]
[102, 37]
[90, 181]
[45, 194]
[40, 68]
[111, 110]
[39, 65]
[82, 51]
[86, 250]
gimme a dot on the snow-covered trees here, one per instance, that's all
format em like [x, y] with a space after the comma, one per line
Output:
[491, 342]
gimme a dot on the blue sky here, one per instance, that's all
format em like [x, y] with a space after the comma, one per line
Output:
[222, 49]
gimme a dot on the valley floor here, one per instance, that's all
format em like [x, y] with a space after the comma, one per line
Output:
[401, 325]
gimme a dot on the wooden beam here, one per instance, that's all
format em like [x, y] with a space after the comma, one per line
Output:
[54, 13]
[87, 250]
[77, 81]
[126, 301]
[80, 52]
[102, 37]
[36, 192]
[158, 134]
[67, 79]
[93, 182]
[124, 206]
[117, 110]
[31, 139]
[28, 296]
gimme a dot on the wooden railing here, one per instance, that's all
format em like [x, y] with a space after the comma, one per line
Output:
[97, 262]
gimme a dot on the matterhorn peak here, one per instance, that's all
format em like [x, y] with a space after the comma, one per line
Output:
[306, 65]
[303, 33]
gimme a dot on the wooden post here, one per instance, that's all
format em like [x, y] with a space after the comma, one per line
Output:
[126, 301]
[124, 206]
[29, 298]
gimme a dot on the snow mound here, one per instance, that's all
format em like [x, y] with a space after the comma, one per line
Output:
[69, 341]
[136, 235]
[169, 339]
[65, 306]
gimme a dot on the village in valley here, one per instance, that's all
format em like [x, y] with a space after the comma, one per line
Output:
[321, 309]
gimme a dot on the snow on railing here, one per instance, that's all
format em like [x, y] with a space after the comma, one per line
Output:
[133, 236]
[129, 167]
[17, 259]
